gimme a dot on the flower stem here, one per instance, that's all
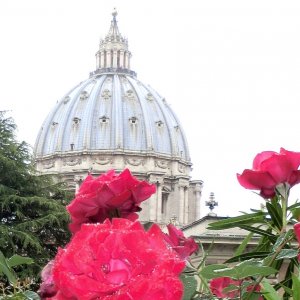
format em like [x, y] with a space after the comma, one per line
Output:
[284, 208]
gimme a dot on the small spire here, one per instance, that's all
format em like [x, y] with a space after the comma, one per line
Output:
[114, 32]
[211, 203]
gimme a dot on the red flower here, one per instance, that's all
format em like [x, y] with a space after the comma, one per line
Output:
[217, 286]
[118, 260]
[108, 196]
[182, 245]
[269, 170]
[47, 288]
[297, 231]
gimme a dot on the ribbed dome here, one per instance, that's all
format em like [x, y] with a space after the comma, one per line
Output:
[112, 111]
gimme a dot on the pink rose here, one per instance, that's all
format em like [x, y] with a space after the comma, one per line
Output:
[109, 195]
[182, 245]
[269, 170]
[118, 260]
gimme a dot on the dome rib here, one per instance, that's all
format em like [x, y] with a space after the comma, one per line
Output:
[146, 117]
[89, 116]
[117, 110]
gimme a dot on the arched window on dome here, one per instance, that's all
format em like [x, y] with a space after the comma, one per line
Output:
[103, 120]
[133, 120]
[76, 120]
[160, 124]
[84, 95]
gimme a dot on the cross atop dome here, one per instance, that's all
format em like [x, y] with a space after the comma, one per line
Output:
[114, 33]
[113, 54]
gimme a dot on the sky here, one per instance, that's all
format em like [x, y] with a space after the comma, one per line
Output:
[230, 70]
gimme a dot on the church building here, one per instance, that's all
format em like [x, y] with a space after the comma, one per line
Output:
[114, 121]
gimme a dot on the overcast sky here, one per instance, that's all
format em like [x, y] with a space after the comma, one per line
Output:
[229, 69]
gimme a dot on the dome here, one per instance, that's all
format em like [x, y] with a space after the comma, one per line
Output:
[112, 111]
[114, 121]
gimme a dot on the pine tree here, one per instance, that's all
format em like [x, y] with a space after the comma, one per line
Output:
[33, 218]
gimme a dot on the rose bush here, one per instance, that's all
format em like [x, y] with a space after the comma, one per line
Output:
[109, 195]
[274, 228]
[269, 170]
[118, 260]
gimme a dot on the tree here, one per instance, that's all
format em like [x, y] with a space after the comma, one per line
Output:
[33, 218]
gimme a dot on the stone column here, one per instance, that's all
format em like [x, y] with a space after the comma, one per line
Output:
[78, 181]
[198, 190]
[97, 60]
[126, 60]
[158, 200]
[115, 58]
[121, 58]
[102, 60]
[186, 205]
[108, 59]
[181, 204]
[183, 200]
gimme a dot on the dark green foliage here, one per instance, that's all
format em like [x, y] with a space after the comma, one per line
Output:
[33, 219]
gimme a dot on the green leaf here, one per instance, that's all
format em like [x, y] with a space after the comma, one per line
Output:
[296, 287]
[190, 286]
[259, 231]
[268, 291]
[243, 245]
[242, 270]
[274, 214]
[287, 253]
[246, 256]
[283, 237]
[208, 272]
[296, 213]
[295, 205]
[6, 270]
[17, 260]
[237, 221]
[30, 295]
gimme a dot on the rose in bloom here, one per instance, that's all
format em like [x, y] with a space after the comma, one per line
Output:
[270, 169]
[217, 286]
[182, 245]
[109, 195]
[118, 260]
